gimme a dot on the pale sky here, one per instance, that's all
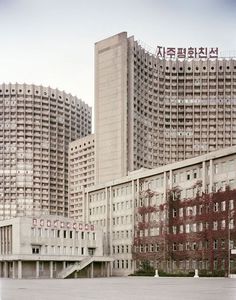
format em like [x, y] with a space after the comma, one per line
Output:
[51, 42]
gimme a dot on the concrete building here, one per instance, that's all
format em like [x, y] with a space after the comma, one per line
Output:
[149, 213]
[81, 173]
[152, 111]
[51, 247]
[36, 125]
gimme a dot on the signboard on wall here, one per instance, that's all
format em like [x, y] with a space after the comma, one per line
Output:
[62, 224]
[186, 53]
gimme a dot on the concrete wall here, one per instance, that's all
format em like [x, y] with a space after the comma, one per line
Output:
[111, 107]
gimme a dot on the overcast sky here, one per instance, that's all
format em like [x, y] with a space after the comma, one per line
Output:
[51, 42]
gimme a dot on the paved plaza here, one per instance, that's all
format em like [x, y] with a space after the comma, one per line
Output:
[131, 288]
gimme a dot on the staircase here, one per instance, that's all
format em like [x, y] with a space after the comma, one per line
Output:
[75, 267]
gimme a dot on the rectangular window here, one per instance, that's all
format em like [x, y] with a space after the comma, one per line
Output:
[223, 205]
[215, 244]
[222, 224]
[174, 212]
[174, 229]
[216, 206]
[187, 228]
[35, 249]
[215, 225]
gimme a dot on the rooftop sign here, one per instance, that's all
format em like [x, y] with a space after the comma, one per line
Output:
[189, 53]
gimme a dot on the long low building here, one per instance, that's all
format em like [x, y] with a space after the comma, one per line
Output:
[51, 247]
[178, 217]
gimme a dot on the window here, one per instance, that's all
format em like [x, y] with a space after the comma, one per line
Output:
[215, 244]
[200, 226]
[223, 205]
[223, 244]
[174, 246]
[35, 249]
[174, 212]
[215, 225]
[187, 228]
[216, 206]
[174, 229]
[222, 224]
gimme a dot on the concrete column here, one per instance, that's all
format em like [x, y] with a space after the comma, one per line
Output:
[19, 269]
[1, 272]
[91, 275]
[204, 176]
[64, 265]
[102, 269]
[108, 269]
[37, 269]
[13, 269]
[51, 269]
[171, 179]
[5, 269]
[211, 175]
[165, 186]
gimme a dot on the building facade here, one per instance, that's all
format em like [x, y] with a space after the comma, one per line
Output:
[153, 111]
[51, 247]
[36, 125]
[81, 173]
[179, 217]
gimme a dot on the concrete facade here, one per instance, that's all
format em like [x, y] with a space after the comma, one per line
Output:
[81, 173]
[110, 108]
[36, 125]
[152, 111]
[115, 205]
[49, 247]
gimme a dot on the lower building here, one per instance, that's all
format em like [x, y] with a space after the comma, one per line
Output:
[81, 173]
[51, 247]
[178, 217]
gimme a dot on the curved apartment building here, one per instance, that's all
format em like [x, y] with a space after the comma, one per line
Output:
[152, 111]
[36, 125]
